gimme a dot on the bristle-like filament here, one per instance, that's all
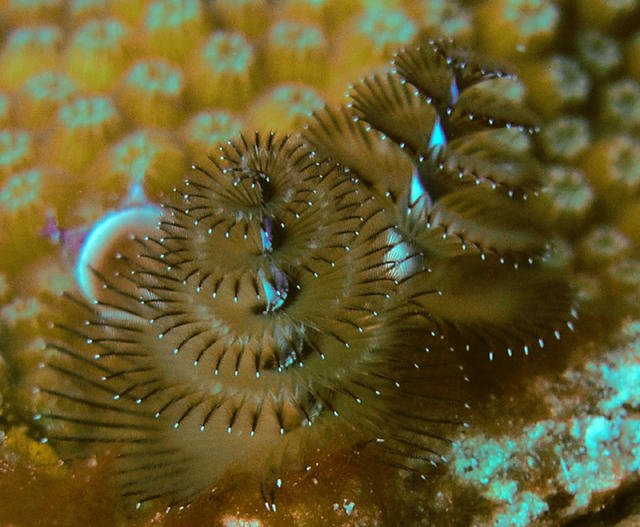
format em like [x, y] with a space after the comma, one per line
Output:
[397, 109]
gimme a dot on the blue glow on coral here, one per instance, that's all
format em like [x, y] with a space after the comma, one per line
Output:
[586, 450]
[622, 378]
[480, 460]
[598, 430]
[527, 508]
[503, 490]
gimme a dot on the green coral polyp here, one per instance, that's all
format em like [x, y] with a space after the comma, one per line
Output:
[224, 63]
[87, 112]
[227, 53]
[21, 190]
[599, 53]
[171, 13]
[571, 82]
[29, 51]
[50, 85]
[385, 27]
[565, 138]
[155, 77]
[621, 105]
[209, 128]
[15, 148]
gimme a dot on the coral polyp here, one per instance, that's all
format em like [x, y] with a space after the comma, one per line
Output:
[303, 294]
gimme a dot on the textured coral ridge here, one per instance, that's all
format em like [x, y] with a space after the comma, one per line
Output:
[589, 445]
[306, 294]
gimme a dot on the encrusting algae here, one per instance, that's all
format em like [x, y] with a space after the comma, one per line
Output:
[297, 342]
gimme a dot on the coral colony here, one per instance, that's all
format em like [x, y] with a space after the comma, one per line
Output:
[311, 292]
[315, 314]
[309, 317]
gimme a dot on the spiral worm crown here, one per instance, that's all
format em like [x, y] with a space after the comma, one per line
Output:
[302, 293]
